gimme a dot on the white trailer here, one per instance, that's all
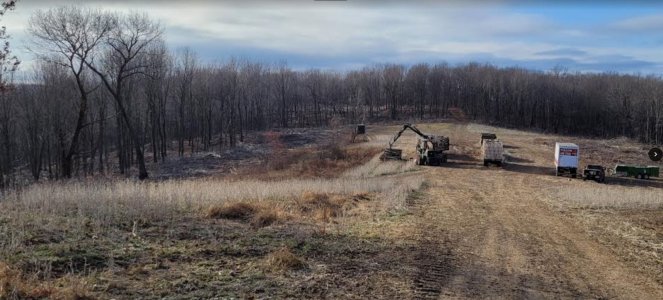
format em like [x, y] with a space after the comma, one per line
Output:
[566, 159]
[492, 152]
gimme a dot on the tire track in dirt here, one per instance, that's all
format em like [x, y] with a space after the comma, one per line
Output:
[432, 256]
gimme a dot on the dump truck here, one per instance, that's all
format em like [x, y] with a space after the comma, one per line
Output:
[641, 172]
[594, 172]
[492, 151]
[566, 159]
[430, 148]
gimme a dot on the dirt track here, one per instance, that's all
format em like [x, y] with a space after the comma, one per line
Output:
[493, 233]
[481, 238]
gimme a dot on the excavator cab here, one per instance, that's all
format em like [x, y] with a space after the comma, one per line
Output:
[431, 151]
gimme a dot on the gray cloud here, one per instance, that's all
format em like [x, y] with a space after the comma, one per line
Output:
[361, 32]
[562, 52]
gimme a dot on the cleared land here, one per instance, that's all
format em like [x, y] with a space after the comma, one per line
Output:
[310, 220]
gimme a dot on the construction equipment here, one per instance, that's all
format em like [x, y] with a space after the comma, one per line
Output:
[493, 151]
[594, 172]
[430, 148]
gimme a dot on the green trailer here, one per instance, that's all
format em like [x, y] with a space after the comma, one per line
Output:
[642, 172]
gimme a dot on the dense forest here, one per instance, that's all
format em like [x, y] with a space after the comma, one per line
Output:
[108, 94]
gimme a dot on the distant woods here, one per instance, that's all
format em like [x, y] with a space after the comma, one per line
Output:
[108, 96]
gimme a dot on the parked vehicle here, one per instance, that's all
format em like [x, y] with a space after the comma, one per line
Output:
[641, 172]
[566, 159]
[594, 172]
[492, 151]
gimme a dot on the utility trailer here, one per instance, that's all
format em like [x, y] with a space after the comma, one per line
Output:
[566, 159]
[492, 151]
[641, 172]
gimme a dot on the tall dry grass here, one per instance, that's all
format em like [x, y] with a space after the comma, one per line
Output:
[613, 197]
[375, 168]
[109, 203]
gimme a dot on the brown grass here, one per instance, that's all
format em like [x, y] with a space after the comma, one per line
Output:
[613, 197]
[233, 211]
[283, 260]
[14, 285]
[266, 217]
[327, 162]
[324, 207]
[320, 207]
[257, 215]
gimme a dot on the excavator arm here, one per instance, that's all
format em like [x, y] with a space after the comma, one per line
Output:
[406, 127]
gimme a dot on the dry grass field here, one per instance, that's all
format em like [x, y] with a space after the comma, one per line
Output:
[302, 218]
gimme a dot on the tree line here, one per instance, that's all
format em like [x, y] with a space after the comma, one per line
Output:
[108, 96]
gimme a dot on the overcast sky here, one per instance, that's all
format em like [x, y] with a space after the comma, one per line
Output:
[621, 36]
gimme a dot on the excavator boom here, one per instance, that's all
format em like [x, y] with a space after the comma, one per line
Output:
[406, 127]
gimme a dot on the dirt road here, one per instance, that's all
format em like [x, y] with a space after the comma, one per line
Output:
[492, 233]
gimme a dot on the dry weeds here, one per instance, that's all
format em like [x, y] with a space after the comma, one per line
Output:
[258, 216]
[233, 211]
[283, 260]
[375, 168]
[15, 285]
[127, 201]
[613, 197]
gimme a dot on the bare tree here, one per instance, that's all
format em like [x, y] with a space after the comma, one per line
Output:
[186, 65]
[283, 86]
[129, 40]
[69, 36]
[393, 85]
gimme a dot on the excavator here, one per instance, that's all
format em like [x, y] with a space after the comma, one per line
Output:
[430, 148]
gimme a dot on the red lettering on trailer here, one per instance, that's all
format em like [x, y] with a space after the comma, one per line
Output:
[568, 152]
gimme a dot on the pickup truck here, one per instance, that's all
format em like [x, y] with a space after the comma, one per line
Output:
[594, 172]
